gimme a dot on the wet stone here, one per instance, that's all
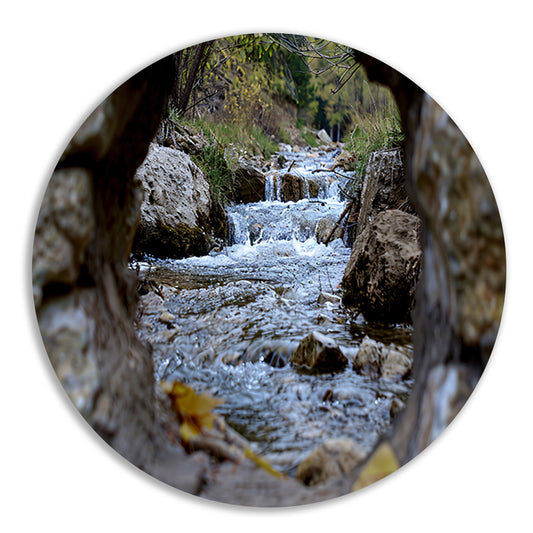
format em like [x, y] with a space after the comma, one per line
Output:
[319, 353]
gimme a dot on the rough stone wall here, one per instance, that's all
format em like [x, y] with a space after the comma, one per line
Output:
[84, 295]
[460, 294]
[461, 291]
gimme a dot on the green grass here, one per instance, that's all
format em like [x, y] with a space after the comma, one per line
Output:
[310, 138]
[248, 139]
[373, 132]
[224, 144]
[214, 165]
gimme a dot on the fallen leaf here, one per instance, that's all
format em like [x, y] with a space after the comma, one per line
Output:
[193, 410]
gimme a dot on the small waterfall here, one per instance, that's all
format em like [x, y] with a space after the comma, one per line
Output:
[276, 220]
[272, 186]
[238, 229]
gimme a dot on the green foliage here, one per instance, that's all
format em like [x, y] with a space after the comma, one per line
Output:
[302, 79]
[216, 169]
[309, 137]
[226, 141]
[249, 139]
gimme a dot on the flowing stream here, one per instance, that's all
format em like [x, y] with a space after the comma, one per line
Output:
[241, 312]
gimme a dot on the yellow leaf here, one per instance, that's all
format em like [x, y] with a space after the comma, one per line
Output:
[382, 463]
[193, 410]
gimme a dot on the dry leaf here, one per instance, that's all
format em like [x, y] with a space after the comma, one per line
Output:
[193, 410]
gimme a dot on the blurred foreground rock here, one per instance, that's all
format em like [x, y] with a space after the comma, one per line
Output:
[331, 459]
[376, 360]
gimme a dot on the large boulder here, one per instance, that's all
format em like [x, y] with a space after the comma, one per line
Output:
[176, 211]
[381, 275]
[318, 353]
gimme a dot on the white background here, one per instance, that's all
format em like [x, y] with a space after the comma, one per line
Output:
[60, 59]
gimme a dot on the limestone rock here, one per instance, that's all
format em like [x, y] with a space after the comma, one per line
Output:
[376, 360]
[175, 213]
[166, 318]
[318, 353]
[381, 275]
[67, 328]
[333, 458]
[64, 229]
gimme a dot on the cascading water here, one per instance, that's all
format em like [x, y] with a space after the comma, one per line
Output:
[241, 312]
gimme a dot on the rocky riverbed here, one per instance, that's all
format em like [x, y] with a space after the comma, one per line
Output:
[232, 324]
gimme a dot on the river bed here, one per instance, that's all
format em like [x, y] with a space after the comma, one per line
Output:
[239, 313]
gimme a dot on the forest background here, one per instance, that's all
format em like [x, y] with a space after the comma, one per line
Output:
[249, 93]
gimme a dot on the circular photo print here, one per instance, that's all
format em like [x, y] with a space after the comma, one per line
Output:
[268, 270]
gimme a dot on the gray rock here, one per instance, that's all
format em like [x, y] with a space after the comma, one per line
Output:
[318, 353]
[324, 137]
[325, 227]
[67, 331]
[64, 229]
[326, 297]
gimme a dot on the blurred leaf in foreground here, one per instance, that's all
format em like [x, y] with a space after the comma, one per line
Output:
[193, 410]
